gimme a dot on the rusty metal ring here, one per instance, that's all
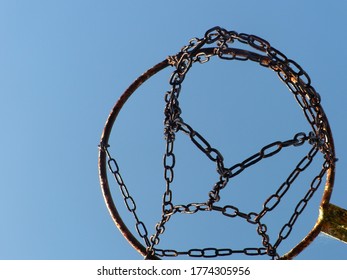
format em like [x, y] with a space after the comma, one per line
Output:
[102, 163]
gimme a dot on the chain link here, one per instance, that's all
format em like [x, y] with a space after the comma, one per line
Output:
[210, 252]
[275, 198]
[128, 199]
[287, 228]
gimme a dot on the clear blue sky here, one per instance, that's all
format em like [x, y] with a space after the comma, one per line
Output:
[63, 64]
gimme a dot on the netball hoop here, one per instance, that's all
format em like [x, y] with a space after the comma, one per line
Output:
[219, 43]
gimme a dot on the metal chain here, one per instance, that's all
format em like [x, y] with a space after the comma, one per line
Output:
[210, 252]
[128, 199]
[172, 117]
[267, 151]
[275, 198]
[287, 228]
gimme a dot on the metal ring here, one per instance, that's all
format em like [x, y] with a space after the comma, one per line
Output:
[102, 163]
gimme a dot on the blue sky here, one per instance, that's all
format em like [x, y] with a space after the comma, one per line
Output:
[63, 65]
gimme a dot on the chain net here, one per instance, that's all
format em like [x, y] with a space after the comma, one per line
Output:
[217, 42]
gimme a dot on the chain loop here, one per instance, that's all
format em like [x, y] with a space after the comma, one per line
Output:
[128, 199]
[298, 82]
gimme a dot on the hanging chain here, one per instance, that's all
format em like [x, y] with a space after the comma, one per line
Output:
[298, 82]
[287, 228]
[128, 199]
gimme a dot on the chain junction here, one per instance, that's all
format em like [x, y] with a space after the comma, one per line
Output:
[217, 42]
